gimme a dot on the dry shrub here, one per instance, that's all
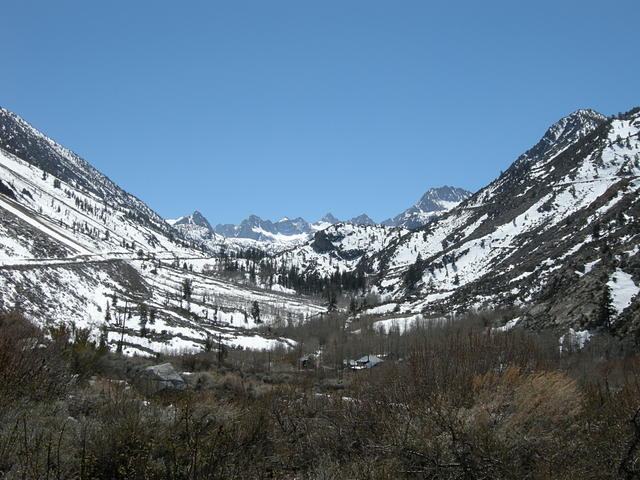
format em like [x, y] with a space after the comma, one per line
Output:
[28, 369]
[540, 405]
[528, 400]
[527, 422]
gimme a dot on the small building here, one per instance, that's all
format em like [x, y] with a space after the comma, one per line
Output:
[349, 363]
[368, 361]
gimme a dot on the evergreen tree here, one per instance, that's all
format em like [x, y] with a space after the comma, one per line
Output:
[107, 314]
[414, 273]
[333, 301]
[143, 312]
[255, 312]
[186, 289]
[103, 345]
[222, 351]
[606, 311]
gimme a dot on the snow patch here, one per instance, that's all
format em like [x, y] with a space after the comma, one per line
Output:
[623, 290]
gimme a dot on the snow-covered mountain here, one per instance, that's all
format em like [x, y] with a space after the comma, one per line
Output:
[556, 236]
[89, 200]
[255, 228]
[434, 202]
[76, 248]
[254, 232]
[274, 237]
[197, 229]
[341, 247]
[548, 236]
[362, 219]
[196, 218]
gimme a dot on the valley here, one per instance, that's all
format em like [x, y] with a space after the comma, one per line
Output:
[548, 238]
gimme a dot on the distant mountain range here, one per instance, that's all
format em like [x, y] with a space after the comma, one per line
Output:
[297, 230]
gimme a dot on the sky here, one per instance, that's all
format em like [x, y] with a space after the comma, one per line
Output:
[297, 108]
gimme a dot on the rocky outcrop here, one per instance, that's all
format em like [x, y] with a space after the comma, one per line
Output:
[159, 378]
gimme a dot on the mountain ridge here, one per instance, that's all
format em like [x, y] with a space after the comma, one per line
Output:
[547, 239]
[77, 250]
[297, 230]
[547, 193]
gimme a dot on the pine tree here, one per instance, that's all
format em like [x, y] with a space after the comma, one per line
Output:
[103, 345]
[144, 317]
[255, 312]
[606, 311]
[222, 351]
[143, 311]
[414, 273]
[333, 301]
[186, 289]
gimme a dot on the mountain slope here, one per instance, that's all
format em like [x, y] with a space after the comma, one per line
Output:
[340, 247]
[75, 246]
[26, 143]
[546, 236]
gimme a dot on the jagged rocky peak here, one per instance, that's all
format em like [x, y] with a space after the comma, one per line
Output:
[576, 124]
[564, 132]
[434, 202]
[196, 218]
[253, 219]
[256, 228]
[363, 219]
[284, 230]
[441, 198]
[329, 218]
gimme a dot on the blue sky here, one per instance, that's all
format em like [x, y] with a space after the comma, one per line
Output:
[296, 107]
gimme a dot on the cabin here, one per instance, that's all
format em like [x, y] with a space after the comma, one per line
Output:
[368, 361]
[349, 363]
